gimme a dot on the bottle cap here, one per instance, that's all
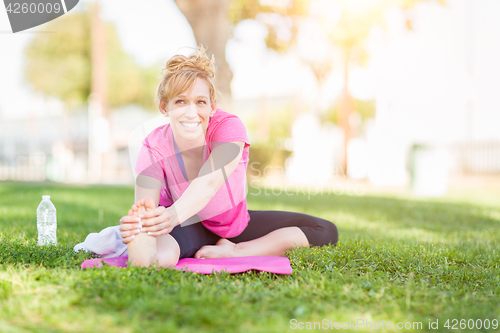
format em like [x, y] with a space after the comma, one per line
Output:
[45, 197]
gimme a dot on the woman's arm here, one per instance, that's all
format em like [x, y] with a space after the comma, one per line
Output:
[147, 187]
[221, 163]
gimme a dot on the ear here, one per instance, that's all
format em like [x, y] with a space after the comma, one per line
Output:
[214, 108]
[163, 108]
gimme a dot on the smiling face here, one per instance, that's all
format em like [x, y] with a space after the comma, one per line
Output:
[189, 113]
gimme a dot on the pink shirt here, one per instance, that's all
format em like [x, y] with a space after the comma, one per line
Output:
[226, 214]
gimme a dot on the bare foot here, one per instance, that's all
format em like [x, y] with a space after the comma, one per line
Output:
[142, 250]
[143, 205]
[222, 249]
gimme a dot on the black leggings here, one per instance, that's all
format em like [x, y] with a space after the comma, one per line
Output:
[319, 232]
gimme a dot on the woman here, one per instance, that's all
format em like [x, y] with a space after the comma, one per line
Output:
[190, 192]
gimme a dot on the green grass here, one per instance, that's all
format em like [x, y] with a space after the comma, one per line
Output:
[399, 259]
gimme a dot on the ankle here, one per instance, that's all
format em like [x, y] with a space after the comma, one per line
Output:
[238, 250]
[169, 259]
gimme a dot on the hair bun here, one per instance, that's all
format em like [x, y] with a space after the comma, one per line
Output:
[197, 62]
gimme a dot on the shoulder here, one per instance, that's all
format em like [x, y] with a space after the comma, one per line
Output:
[157, 137]
[226, 127]
[223, 120]
[221, 115]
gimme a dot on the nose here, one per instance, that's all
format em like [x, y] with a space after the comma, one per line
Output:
[191, 111]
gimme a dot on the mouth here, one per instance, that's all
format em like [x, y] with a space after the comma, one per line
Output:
[190, 124]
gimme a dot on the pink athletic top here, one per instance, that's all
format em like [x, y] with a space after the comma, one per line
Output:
[226, 214]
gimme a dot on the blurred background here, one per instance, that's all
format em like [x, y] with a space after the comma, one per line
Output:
[384, 93]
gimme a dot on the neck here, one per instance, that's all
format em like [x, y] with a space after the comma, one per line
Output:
[189, 145]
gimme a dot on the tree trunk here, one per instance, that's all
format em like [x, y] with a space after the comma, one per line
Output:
[98, 163]
[210, 24]
[98, 58]
[346, 107]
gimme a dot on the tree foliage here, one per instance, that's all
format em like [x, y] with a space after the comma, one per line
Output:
[59, 64]
[281, 17]
[351, 31]
[348, 33]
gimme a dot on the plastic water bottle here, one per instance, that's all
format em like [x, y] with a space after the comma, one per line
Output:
[46, 222]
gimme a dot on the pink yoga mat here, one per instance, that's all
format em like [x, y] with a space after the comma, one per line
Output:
[278, 265]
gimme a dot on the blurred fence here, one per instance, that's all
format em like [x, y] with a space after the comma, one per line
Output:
[469, 158]
[25, 168]
[55, 147]
[476, 158]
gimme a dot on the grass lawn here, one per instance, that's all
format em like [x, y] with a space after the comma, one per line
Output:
[399, 260]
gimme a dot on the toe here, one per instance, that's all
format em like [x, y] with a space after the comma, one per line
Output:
[200, 253]
[149, 204]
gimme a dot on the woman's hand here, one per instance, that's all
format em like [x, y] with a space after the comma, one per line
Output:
[159, 221]
[129, 226]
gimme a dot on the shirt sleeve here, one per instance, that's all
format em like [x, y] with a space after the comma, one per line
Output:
[229, 130]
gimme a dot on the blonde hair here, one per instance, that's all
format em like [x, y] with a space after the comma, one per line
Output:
[180, 74]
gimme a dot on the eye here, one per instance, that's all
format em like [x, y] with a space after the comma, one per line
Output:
[179, 101]
[202, 102]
